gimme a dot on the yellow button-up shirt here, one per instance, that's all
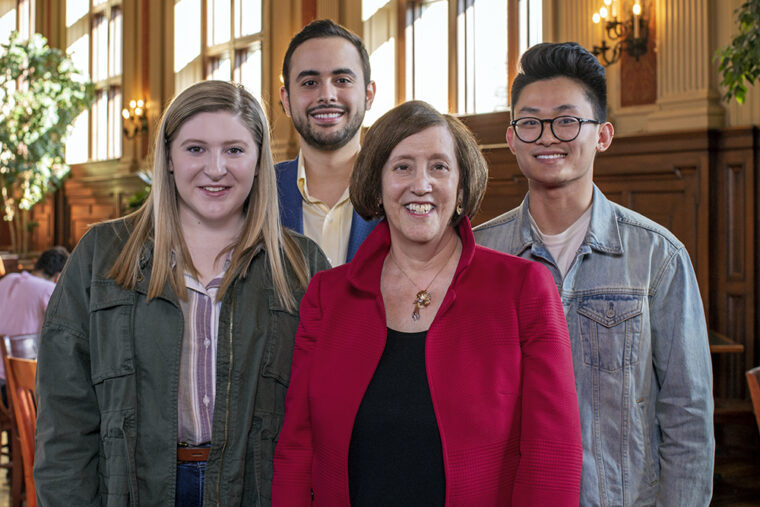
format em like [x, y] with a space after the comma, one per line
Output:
[329, 227]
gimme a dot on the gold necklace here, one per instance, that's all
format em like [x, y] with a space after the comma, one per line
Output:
[423, 298]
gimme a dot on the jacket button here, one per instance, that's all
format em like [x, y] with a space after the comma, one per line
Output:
[610, 311]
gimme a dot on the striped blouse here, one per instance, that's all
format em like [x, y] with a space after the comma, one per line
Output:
[197, 372]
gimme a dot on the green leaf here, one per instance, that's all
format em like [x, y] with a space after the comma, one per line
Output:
[41, 93]
[739, 62]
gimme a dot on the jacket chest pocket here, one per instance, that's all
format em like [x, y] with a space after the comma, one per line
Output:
[281, 336]
[610, 327]
[111, 347]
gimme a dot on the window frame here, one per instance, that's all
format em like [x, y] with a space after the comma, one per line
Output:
[108, 83]
[108, 80]
[513, 51]
[235, 45]
[30, 11]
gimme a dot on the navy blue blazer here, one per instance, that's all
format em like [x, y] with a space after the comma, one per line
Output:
[291, 207]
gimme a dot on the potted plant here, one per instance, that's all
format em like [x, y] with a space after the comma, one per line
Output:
[739, 62]
[41, 93]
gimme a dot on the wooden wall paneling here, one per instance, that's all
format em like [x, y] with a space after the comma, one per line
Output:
[733, 270]
[43, 214]
[506, 184]
[96, 192]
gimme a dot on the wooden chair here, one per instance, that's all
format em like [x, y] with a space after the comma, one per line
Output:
[753, 379]
[19, 346]
[20, 375]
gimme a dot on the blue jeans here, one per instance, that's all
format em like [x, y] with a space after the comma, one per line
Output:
[190, 477]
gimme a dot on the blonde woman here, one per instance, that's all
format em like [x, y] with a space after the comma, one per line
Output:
[165, 353]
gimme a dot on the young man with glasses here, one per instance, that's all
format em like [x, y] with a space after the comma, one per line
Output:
[632, 304]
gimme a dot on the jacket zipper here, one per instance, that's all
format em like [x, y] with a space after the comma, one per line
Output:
[227, 404]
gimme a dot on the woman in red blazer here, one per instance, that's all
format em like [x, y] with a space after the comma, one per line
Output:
[429, 370]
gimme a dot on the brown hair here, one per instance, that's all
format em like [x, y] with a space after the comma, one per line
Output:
[393, 127]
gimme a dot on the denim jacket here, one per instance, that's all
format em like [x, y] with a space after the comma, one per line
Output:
[640, 353]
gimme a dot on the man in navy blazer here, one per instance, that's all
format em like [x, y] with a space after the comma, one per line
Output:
[327, 89]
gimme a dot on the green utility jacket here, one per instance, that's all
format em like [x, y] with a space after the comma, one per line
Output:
[107, 384]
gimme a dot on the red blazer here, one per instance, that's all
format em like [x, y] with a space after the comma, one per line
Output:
[499, 368]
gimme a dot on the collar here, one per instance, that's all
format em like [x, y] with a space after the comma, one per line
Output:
[603, 234]
[146, 267]
[303, 185]
[367, 265]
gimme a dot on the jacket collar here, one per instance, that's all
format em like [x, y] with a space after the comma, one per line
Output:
[367, 265]
[603, 234]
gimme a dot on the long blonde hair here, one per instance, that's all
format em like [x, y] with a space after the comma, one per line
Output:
[158, 218]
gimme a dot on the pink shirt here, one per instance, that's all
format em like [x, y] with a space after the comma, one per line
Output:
[23, 300]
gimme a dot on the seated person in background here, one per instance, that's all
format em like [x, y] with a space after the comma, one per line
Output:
[632, 304]
[165, 353]
[428, 370]
[24, 296]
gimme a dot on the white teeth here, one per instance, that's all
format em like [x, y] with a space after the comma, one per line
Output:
[422, 209]
[213, 189]
[552, 156]
[327, 116]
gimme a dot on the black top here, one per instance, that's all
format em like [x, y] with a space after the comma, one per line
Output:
[395, 457]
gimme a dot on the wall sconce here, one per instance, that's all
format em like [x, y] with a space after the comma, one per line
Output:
[631, 34]
[135, 120]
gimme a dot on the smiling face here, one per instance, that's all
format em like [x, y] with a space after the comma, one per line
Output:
[550, 163]
[327, 97]
[420, 182]
[214, 161]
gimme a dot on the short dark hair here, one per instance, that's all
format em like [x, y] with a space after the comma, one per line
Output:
[566, 59]
[320, 29]
[393, 127]
[52, 261]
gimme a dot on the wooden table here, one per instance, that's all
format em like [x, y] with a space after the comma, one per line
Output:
[727, 410]
[722, 344]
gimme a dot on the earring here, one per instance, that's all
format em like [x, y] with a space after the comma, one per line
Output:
[459, 206]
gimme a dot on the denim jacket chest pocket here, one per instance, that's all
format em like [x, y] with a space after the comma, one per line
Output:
[610, 326]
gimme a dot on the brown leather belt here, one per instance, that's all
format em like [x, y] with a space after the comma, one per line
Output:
[192, 453]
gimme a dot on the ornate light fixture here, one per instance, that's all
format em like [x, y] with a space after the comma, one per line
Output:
[631, 34]
[135, 120]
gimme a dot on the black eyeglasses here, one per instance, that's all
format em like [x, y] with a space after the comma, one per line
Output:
[564, 128]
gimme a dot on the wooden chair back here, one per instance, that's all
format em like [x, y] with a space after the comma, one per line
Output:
[20, 375]
[21, 346]
[753, 379]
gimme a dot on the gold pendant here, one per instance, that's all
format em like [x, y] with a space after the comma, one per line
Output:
[423, 300]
